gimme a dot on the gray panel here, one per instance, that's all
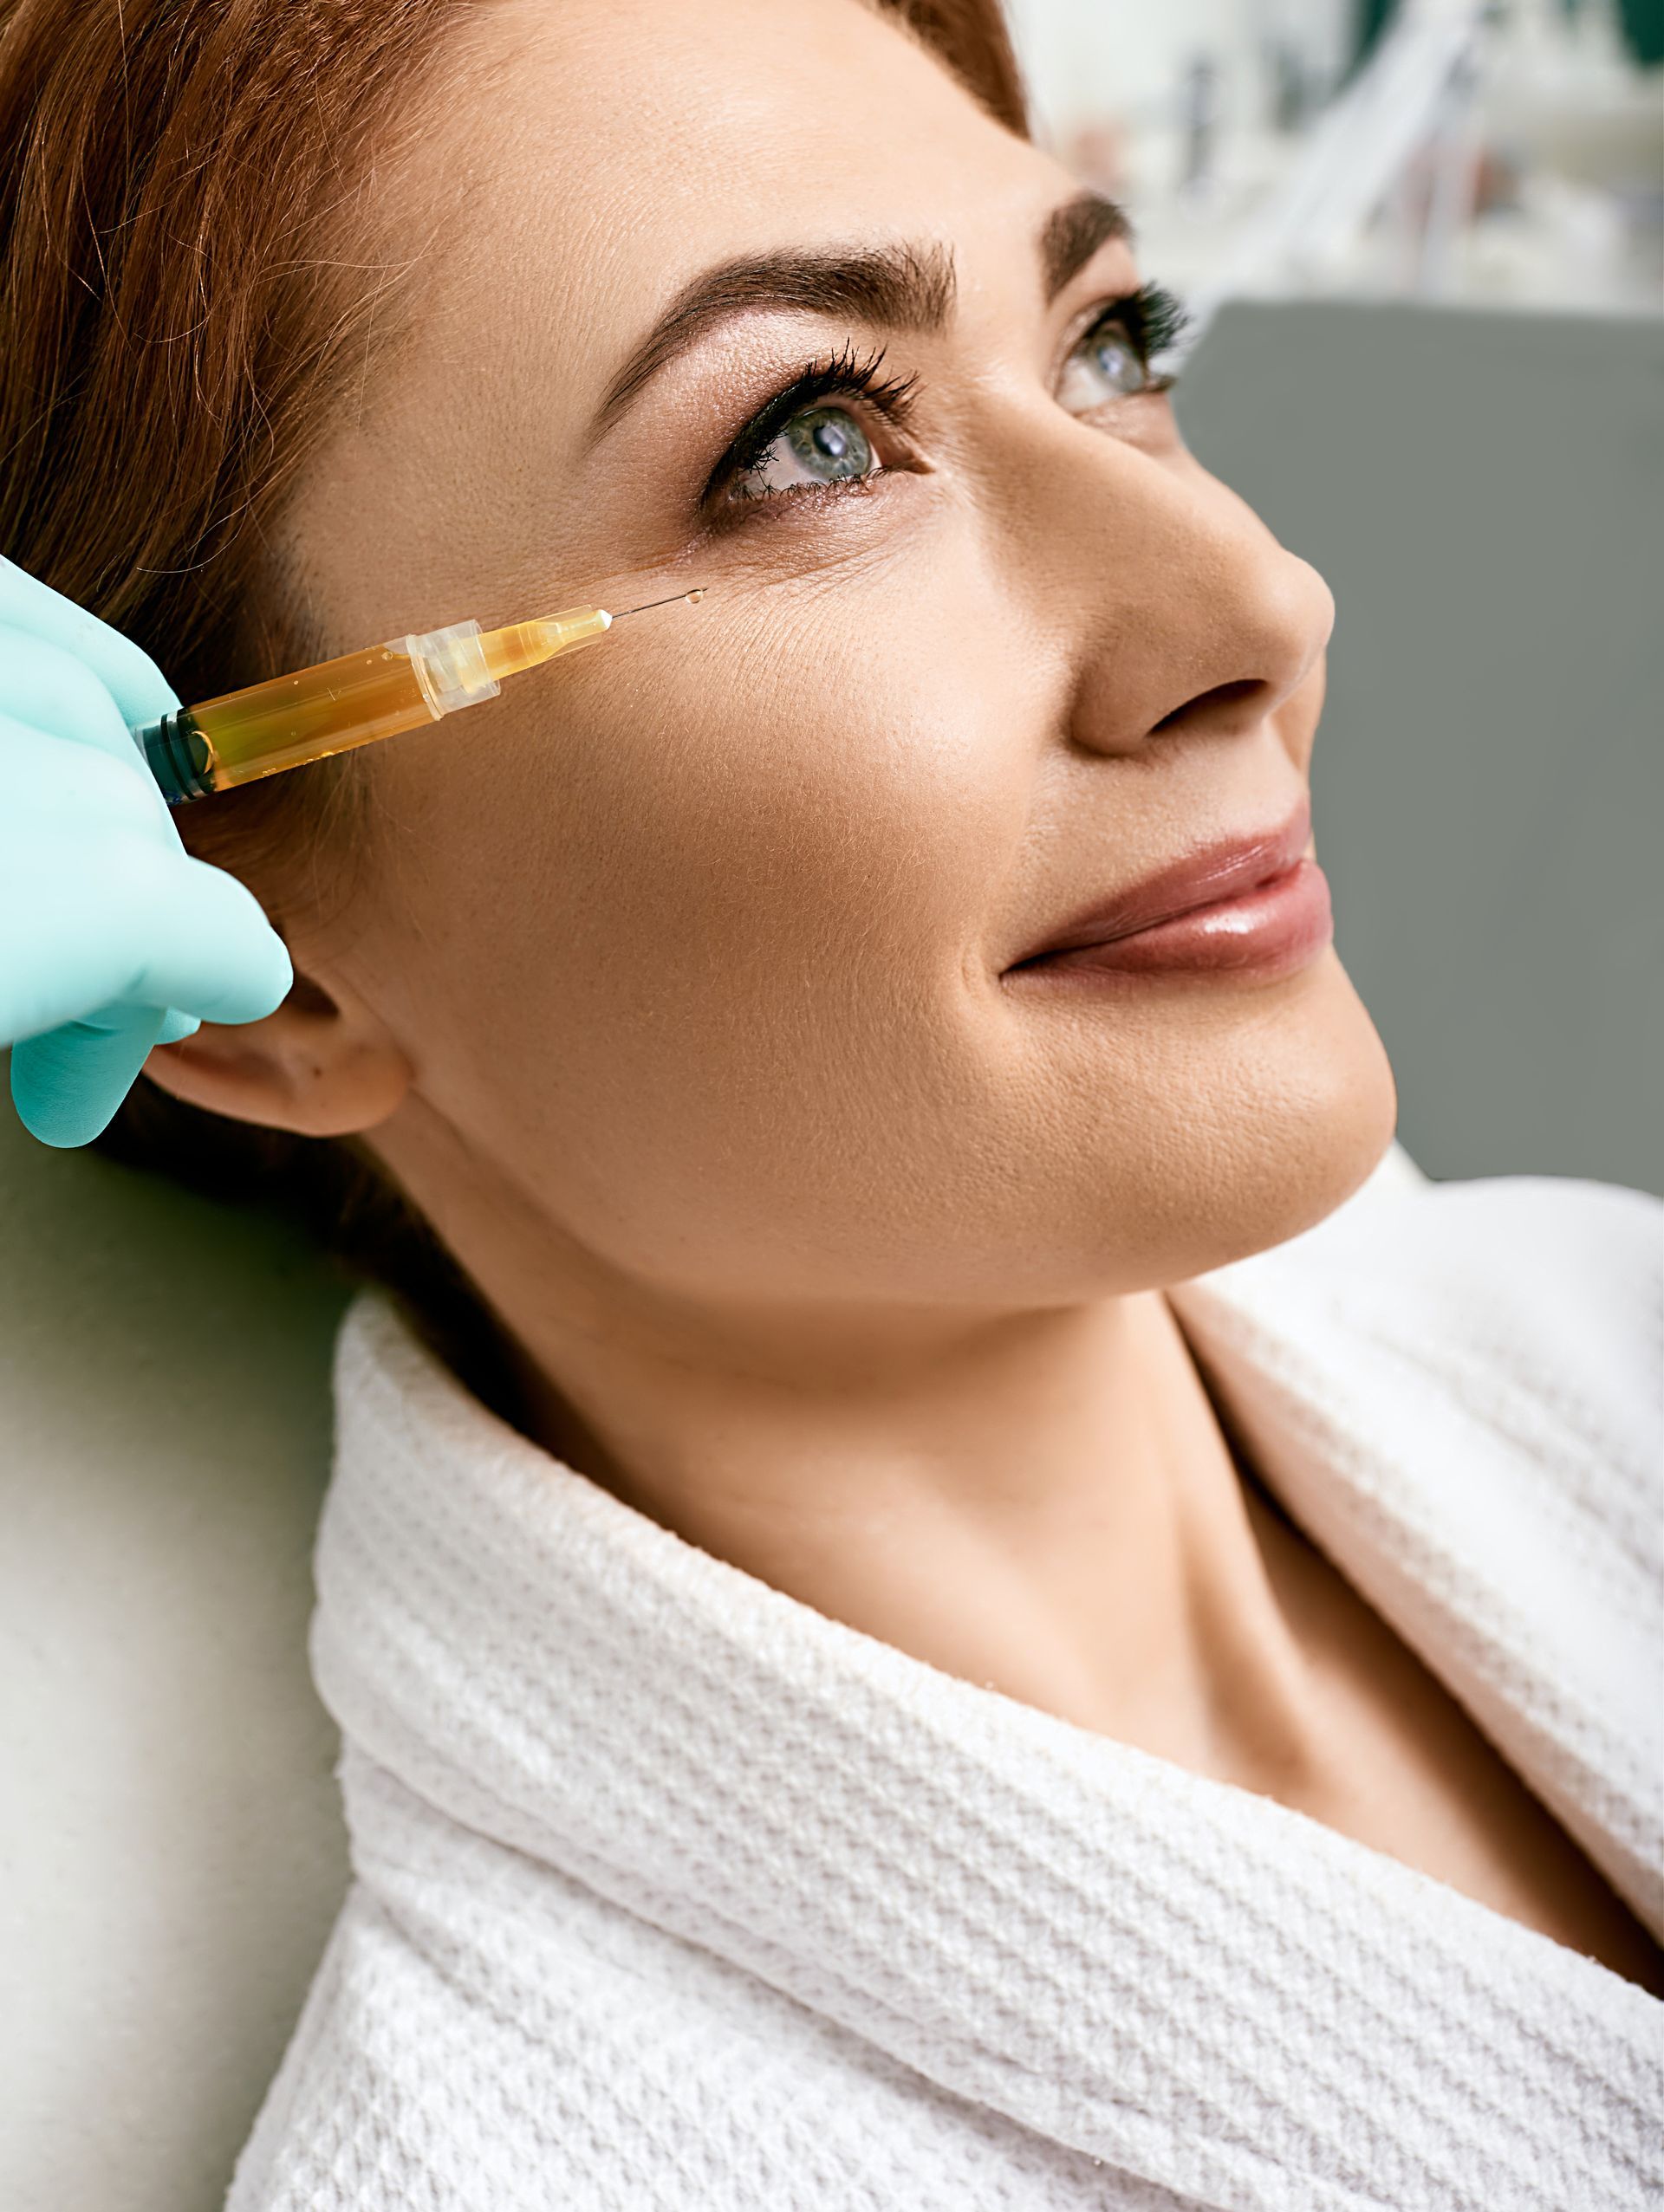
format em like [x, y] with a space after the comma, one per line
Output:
[1483, 492]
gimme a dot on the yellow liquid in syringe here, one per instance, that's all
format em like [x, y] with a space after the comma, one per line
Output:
[355, 699]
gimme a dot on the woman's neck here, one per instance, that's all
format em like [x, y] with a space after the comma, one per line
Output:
[1045, 1504]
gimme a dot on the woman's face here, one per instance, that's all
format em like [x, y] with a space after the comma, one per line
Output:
[694, 955]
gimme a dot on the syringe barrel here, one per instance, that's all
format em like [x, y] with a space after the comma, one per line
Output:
[350, 701]
[285, 723]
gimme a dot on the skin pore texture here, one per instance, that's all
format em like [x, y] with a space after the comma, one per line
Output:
[675, 992]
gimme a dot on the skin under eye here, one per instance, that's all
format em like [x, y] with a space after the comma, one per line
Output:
[819, 445]
[1106, 365]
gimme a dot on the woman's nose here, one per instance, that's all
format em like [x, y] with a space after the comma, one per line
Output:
[1192, 619]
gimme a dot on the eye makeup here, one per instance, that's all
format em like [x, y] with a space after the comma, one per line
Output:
[1112, 359]
[1153, 319]
[845, 375]
[1150, 319]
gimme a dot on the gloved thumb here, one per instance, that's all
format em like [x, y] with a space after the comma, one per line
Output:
[67, 1084]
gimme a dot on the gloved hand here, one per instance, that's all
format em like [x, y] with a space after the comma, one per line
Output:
[111, 939]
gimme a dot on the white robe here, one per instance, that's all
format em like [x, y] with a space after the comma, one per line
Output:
[672, 1894]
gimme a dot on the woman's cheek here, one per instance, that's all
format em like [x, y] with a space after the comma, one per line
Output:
[858, 763]
[808, 804]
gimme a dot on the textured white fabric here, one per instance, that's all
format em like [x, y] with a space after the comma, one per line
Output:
[671, 1892]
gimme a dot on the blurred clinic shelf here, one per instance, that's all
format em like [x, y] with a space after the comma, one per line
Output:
[1507, 151]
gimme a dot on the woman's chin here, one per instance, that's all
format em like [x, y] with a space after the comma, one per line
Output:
[1303, 1144]
[1246, 1137]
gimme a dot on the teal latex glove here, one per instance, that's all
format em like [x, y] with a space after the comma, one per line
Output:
[113, 939]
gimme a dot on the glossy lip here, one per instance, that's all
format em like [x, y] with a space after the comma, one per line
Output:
[1221, 872]
[1273, 930]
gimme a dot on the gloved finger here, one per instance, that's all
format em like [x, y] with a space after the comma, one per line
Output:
[115, 919]
[208, 950]
[45, 688]
[177, 1027]
[50, 786]
[132, 678]
[67, 1084]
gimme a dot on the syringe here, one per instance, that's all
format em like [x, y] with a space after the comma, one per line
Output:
[290, 720]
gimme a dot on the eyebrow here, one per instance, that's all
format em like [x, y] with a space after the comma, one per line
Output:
[1072, 234]
[903, 287]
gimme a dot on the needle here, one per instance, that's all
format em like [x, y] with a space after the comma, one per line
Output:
[693, 599]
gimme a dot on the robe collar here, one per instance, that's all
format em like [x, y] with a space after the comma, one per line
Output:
[1173, 1975]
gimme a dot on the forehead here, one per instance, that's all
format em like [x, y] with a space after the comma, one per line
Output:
[569, 166]
[595, 155]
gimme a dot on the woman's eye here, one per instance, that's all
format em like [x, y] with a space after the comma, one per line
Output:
[820, 445]
[1106, 365]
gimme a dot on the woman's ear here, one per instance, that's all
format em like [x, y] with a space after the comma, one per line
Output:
[316, 1066]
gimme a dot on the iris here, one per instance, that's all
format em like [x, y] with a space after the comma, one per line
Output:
[1107, 364]
[820, 445]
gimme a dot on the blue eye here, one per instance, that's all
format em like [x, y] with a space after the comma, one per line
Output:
[819, 445]
[1106, 365]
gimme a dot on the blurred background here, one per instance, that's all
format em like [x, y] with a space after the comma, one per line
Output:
[1423, 246]
[1509, 154]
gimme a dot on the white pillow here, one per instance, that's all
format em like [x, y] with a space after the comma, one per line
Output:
[174, 1848]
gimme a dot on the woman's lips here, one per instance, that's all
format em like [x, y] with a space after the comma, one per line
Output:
[1258, 904]
[1271, 930]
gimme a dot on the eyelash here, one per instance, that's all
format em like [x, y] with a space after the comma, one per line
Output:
[1153, 317]
[844, 376]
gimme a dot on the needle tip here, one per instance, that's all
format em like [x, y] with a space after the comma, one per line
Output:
[676, 598]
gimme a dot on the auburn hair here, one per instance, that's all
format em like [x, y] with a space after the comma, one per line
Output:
[181, 303]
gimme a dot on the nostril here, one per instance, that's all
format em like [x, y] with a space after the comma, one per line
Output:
[1222, 695]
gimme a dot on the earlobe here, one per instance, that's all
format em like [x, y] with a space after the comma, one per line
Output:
[309, 1067]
